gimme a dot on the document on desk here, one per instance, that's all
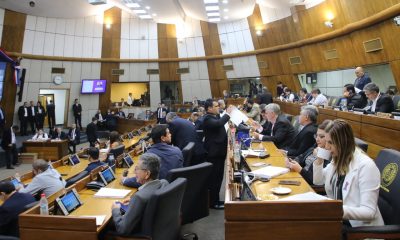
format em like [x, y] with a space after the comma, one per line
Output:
[270, 171]
[308, 196]
[237, 117]
[99, 218]
[112, 193]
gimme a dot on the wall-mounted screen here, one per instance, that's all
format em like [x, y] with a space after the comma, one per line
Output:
[3, 66]
[93, 86]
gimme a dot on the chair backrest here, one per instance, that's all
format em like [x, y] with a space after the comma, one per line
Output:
[162, 214]
[361, 144]
[296, 123]
[195, 200]
[396, 101]
[388, 162]
[187, 153]
[117, 151]
[76, 178]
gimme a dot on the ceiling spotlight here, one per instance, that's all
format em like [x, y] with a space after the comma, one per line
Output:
[226, 10]
[132, 5]
[226, 17]
[259, 33]
[213, 14]
[329, 24]
[147, 7]
[214, 19]
[212, 8]
[139, 11]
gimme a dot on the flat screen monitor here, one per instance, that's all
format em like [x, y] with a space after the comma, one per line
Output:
[107, 176]
[93, 86]
[128, 160]
[74, 159]
[3, 66]
[69, 202]
[247, 193]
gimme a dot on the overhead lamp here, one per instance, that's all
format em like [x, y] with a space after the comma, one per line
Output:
[210, 1]
[329, 24]
[133, 5]
[147, 7]
[225, 1]
[226, 10]
[226, 17]
[213, 14]
[259, 33]
[214, 19]
[139, 11]
[212, 8]
[147, 16]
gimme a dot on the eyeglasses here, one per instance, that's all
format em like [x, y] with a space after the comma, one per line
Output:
[138, 168]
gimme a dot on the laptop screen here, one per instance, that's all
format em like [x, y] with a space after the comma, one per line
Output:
[15, 182]
[128, 160]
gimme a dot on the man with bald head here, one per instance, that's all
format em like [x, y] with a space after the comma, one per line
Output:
[361, 80]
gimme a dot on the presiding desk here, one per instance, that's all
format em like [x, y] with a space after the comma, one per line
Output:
[48, 150]
[377, 131]
[275, 219]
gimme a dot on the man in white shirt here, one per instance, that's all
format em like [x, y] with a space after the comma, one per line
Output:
[46, 180]
[129, 101]
[318, 98]
[40, 136]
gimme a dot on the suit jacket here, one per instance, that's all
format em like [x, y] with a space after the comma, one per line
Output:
[51, 109]
[62, 135]
[360, 189]
[384, 104]
[10, 210]
[216, 140]
[21, 112]
[283, 132]
[171, 157]
[30, 111]
[254, 112]
[97, 116]
[37, 111]
[358, 100]
[77, 109]
[303, 140]
[265, 98]
[6, 139]
[132, 220]
[77, 135]
[91, 132]
[362, 81]
[183, 132]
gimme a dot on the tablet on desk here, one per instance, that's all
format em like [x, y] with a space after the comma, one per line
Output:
[128, 160]
[69, 202]
[107, 176]
[74, 159]
[15, 182]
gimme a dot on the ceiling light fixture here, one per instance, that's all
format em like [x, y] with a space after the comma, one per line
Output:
[329, 24]
[259, 33]
[213, 14]
[145, 16]
[212, 8]
[133, 5]
[139, 11]
[147, 7]
[214, 19]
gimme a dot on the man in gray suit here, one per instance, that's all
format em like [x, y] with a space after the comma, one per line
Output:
[147, 175]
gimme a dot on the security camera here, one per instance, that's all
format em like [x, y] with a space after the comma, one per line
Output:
[396, 20]
[32, 3]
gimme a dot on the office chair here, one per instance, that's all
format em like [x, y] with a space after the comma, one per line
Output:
[387, 161]
[117, 151]
[187, 153]
[2, 237]
[361, 144]
[195, 200]
[76, 178]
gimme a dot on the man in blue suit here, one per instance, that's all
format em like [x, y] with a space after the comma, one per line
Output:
[184, 132]
[361, 80]
[14, 204]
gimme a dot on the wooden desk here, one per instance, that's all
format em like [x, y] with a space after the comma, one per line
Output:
[126, 125]
[268, 219]
[49, 150]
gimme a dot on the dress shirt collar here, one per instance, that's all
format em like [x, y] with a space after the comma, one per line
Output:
[146, 184]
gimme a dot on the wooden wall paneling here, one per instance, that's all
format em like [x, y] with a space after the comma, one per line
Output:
[390, 33]
[255, 22]
[110, 49]
[356, 10]
[12, 40]
[167, 48]
[275, 65]
[287, 67]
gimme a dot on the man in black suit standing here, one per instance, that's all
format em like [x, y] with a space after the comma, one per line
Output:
[184, 132]
[91, 132]
[59, 134]
[74, 137]
[161, 108]
[77, 109]
[378, 102]
[215, 143]
[264, 97]
[23, 115]
[8, 144]
[51, 114]
[32, 116]
[306, 136]
[2, 120]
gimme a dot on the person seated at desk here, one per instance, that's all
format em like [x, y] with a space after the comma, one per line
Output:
[46, 179]
[254, 112]
[318, 98]
[354, 100]
[290, 96]
[147, 172]
[120, 113]
[40, 136]
[303, 164]
[304, 96]
[114, 140]
[59, 134]
[352, 177]
[74, 137]
[94, 160]
[171, 157]
[305, 138]
[378, 102]
[277, 129]
[13, 204]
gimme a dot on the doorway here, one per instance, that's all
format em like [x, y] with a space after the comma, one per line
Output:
[60, 99]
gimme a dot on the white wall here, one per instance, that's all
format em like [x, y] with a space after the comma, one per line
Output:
[59, 102]
[195, 83]
[189, 39]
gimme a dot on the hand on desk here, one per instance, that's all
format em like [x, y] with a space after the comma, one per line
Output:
[116, 205]
[293, 165]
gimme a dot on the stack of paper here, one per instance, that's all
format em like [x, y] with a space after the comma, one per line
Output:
[253, 153]
[308, 196]
[112, 193]
[270, 171]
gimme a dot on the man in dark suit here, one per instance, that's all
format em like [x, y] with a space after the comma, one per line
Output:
[23, 115]
[265, 97]
[147, 172]
[59, 134]
[184, 132]
[13, 204]
[354, 100]
[91, 132]
[51, 114]
[379, 102]
[8, 143]
[120, 113]
[40, 114]
[101, 119]
[2, 120]
[277, 128]
[74, 137]
[361, 80]
[32, 111]
[215, 143]
[161, 108]
[306, 136]
[305, 97]
[77, 109]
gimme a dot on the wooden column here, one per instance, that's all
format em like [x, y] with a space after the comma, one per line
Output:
[212, 46]
[110, 49]
[12, 39]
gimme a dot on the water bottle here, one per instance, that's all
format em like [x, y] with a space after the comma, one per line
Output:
[44, 205]
[236, 152]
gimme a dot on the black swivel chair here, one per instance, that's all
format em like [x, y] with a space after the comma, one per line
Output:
[361, 144]
[387, 161]
[187, 153]
[117, 151]
[76, 178]
[195, 200]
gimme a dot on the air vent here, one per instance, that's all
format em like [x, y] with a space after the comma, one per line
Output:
[373, 45]
[227, 67]
[58, 70]
[331, 54]
[153, 71]
[295, 60]
[262, 64]
[115, 72]
[182, 70]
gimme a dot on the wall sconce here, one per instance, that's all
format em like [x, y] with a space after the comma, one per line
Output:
[259, 33]
[108, 26]
[329, 24]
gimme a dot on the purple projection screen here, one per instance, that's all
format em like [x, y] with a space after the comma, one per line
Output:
[93, 86]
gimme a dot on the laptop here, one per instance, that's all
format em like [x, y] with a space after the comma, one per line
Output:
[69, 202]
[74, 159]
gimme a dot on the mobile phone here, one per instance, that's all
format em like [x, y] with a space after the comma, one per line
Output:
[289, 182]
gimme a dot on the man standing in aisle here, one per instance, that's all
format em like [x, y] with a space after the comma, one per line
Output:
[32, 116]
[77, 109]
[91, 132]
[8, 143]
[23, 116]
[361, 80]
[215, 143]
[51, 114]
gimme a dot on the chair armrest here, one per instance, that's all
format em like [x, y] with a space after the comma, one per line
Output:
[320, 189]
[387, 232]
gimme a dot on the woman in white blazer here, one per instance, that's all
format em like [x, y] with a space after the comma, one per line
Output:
[351, 177]
[40, 136]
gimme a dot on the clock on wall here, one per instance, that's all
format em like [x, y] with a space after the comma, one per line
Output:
[58, 80]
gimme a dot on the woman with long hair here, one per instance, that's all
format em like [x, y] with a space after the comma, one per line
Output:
[351, 176]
